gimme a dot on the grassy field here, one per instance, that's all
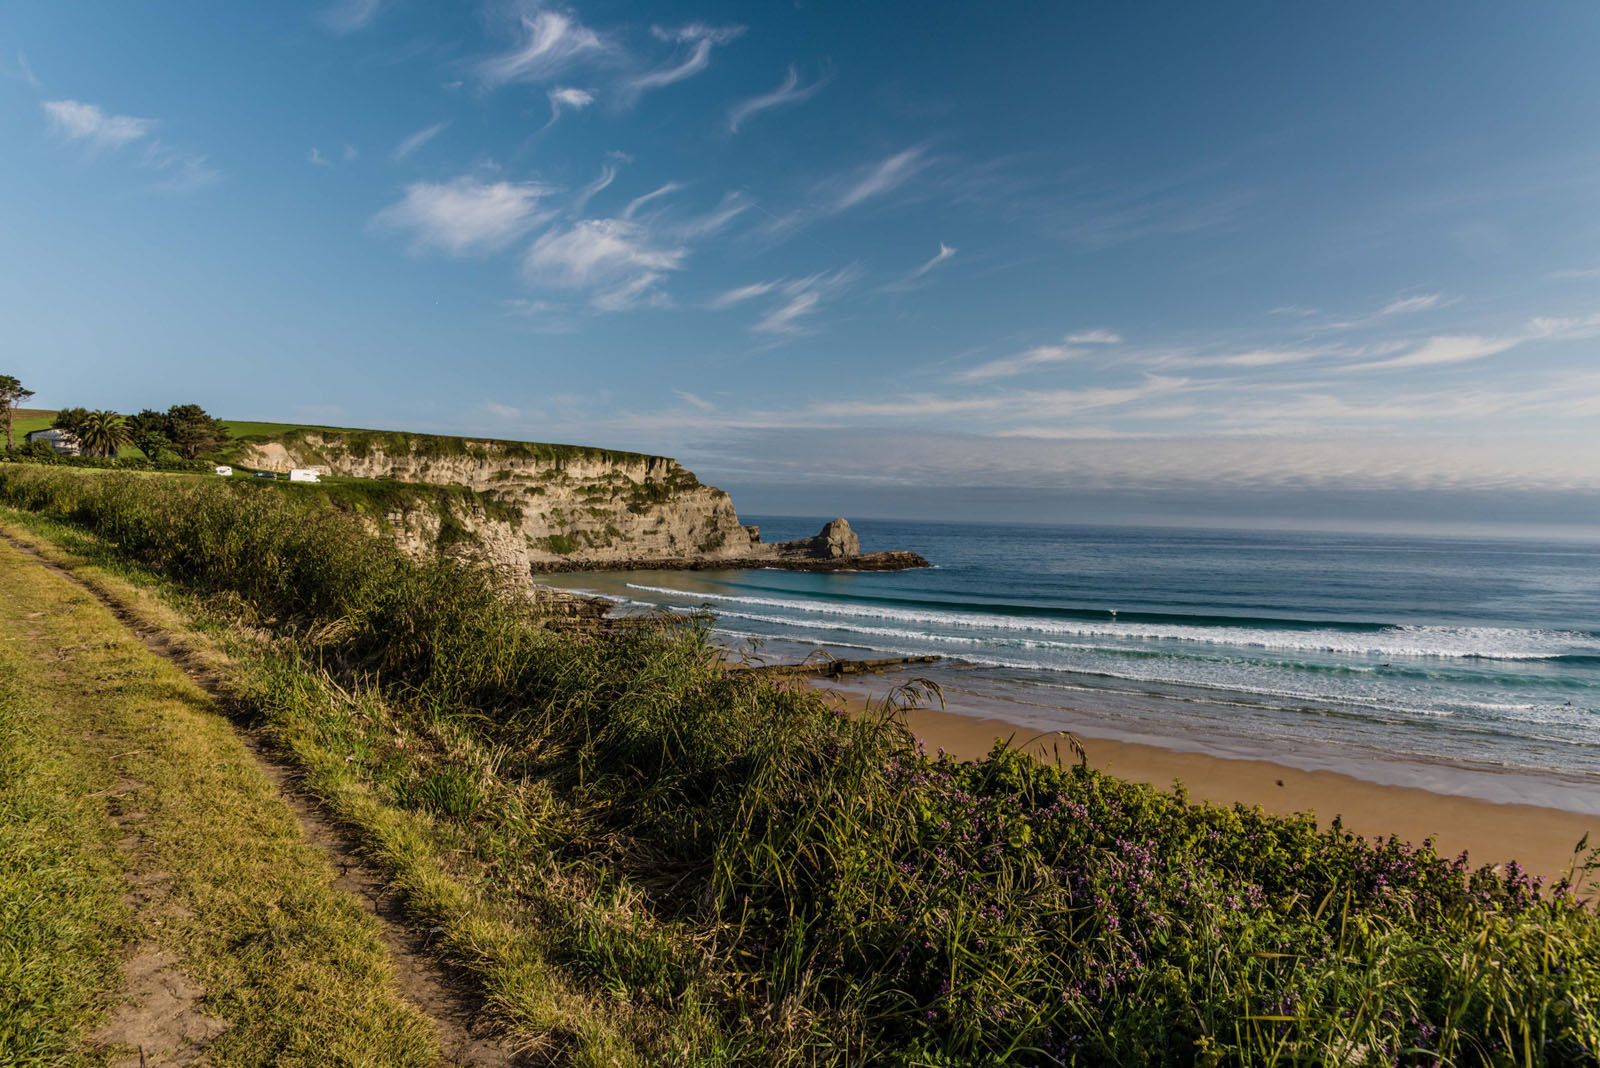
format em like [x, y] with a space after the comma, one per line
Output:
[641, 859]
[360, 443]
[240, 431]
[153, 889]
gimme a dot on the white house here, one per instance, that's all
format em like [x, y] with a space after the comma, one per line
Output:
[60, 440]
[304, 474]
[224, 470]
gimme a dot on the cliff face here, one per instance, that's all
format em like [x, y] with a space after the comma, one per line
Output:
[531, 508]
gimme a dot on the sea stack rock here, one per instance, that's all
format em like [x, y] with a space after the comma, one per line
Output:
[838, 541]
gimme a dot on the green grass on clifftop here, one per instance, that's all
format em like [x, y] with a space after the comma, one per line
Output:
[360, 442]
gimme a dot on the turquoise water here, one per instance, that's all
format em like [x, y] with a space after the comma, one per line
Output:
[1471, 666]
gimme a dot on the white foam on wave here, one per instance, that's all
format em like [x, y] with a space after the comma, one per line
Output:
[1492, 643]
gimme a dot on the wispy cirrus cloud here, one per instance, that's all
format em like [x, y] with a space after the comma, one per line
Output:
[699, 39]
[694, 400]
[1036, 357]
[882, 177]
[846, 191]
[638, 202]
[802, 299]
[465, 215]
[1437, 351]
[1013, 405]
[789, 91]
[618, 261]
[548, 43]
[410, 145]
[177, 169]
[607, 175]
[22, 72]
[944, 254]
[347, 16]
[740, 294]
[88, 125]
[1399, 306]
[568, 98]
[1023, 362]
[728, 209]
[1407, 305]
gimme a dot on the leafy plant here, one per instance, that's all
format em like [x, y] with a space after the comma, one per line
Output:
[101, 433]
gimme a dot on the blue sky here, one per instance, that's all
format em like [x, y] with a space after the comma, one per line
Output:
[918, 258]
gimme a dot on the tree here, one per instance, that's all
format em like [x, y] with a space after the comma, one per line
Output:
[150, 431]
[70, 420]
[101, 433]
[11, 394]
[193, 431]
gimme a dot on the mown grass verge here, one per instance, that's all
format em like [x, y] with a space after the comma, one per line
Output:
[644, 858]
[135, 825]
[62, 919]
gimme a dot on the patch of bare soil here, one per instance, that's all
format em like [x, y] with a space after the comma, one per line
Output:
[159, 1020]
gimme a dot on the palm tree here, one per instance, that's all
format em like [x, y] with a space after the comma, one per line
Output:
[101, 433]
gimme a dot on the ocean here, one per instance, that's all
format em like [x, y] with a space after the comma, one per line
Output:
[1462, 665]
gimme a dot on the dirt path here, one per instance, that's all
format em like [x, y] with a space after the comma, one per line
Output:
[160, 1004]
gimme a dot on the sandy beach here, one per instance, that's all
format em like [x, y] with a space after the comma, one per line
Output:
[1540, 839]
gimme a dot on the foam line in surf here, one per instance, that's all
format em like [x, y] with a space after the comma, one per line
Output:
[1411, 640]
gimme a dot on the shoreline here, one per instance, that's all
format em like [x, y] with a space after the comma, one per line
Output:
[1539, 838]
[887, 560]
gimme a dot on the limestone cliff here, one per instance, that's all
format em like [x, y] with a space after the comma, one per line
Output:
[526, 507]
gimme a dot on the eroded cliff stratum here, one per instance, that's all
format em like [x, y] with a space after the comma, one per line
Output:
[528, 508]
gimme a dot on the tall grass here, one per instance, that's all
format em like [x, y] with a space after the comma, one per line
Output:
[785, 885]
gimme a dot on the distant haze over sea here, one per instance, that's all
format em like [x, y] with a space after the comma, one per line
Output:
[1531, 513]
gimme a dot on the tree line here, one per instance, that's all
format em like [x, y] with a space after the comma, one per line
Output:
[187, 430]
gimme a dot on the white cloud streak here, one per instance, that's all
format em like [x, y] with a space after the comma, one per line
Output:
[883, 176]
[549, 42]
[701, 39]
[728, 209]
[1438, 351]
[945, 253]
[88, 125]
[568, 97]
[789, 91]
[180, 170]
[608, 174]
[22, 72]
[1407, 305]
[694, 400]
[803, 296]
[739, 295]
[619, 261]
[1029, 360]
[655, 194]
[407, 148]
[465, 216]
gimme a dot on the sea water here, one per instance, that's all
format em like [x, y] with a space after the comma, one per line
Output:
[1459, 664]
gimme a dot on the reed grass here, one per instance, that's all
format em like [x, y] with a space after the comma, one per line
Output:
[721, 870]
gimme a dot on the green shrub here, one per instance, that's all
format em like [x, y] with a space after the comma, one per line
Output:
[560, 544]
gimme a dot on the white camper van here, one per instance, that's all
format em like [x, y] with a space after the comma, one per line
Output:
[304, 474]
[224, 470]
